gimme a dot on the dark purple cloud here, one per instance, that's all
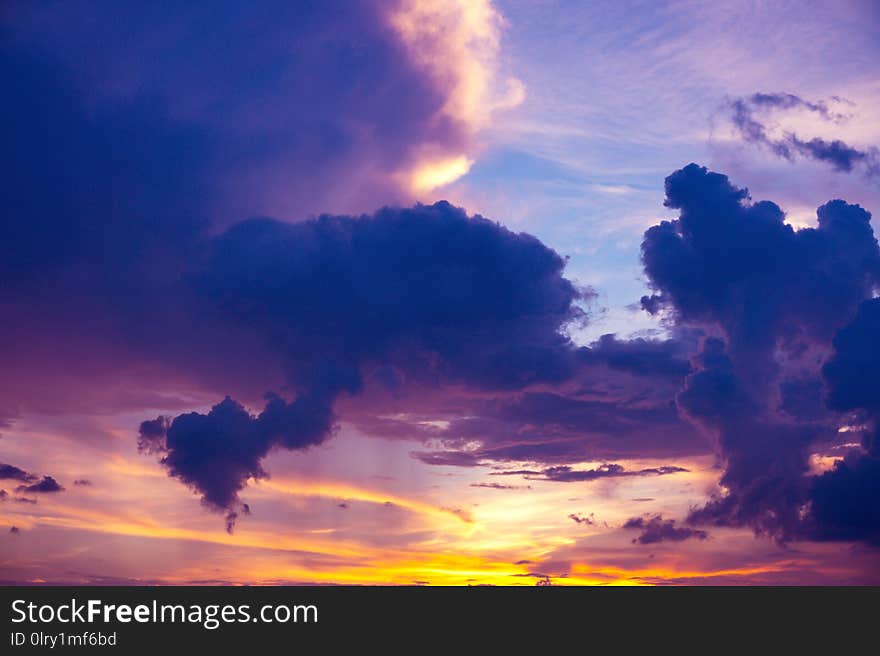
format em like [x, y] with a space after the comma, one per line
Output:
[46, 484]
[641, 356]
[602, 412]
[125, 145]
[566, 474]
[442, 297]
[218, 452]
[82, 482]
[656, 529]
[300, 107]
[581, 519]
[738, 265]
[134, 154]
[439, 295]
[131, 134]
[765, 458]
[778, 296]
[11, 472]
[840, 155]
[851, 374]
[845, 502]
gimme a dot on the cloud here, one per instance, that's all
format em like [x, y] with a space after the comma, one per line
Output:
[14, 530]
[606, 412]
[442, 297]
[457, 45]
[739, 265]
[501, 486]
[640, 356]
[778, 297]
[448, 458]
[216, 453]
[850, 373]
[845, 502]
[565, 474]
[46, 484]
[14, 473]
[580, 519]
[165, 129]
[4, 495]
[656, 529]
[405, 88]
[82, 482]
[487, 303]
[838, 154]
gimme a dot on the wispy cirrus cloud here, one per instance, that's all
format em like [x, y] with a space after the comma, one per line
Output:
[566, 474]
[749, 116]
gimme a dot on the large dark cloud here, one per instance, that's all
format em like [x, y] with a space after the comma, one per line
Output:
[851, 374]
[275, 135]
[442, 297]
[838, 154]
[739, 265]
[778, 296]
[128, 154]
[765, 457]
[845, 502]
[428, 289]
[130, 134]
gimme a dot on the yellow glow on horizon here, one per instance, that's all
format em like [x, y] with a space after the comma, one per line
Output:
[669, 572]
[511, 538]
[363, 565]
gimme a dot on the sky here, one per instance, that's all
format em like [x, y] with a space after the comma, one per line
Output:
[440, 292]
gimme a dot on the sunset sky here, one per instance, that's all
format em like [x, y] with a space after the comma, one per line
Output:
[440, 292]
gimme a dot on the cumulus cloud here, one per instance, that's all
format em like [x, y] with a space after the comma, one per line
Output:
[845, 502]
[130, 152]
[778, 297]
[443, 297]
